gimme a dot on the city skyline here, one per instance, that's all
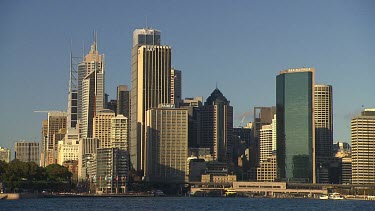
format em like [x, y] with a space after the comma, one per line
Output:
[332, 43]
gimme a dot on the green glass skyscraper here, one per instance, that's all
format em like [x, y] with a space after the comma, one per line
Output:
[295, 125]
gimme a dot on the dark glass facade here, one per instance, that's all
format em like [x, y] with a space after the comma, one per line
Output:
[295, 128]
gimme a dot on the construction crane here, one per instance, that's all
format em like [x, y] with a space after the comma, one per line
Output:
[246, 114]
[46, 111]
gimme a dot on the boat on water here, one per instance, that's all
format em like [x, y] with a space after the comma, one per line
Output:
[323, 197]
[159, 193]
[230, 193]
[336, 196]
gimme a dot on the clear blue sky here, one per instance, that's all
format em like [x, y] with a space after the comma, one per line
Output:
[241, 45]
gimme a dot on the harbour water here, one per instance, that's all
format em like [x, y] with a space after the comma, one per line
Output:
[182, 203]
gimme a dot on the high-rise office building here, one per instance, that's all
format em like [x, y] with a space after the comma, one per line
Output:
[27, 151]
[323, 120]
[295, 124]
[102, 127]
[242, 140]
[166, 144]
[5, 154]
[217, 126]
[52, 132]
[112, 105]
[92, 68]
[323, 128]
[346, 170]
[151, 73]
[176, 87]
[123, 104]
[363, 147]
[262, 116]
[72, 112]
[92, 100]
[193, 106]
[119, 132]
[265, 142]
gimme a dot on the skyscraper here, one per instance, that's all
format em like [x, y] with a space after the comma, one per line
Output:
[363, 147]
[295, 124]
[90, 95]
[193, 106]
[323, 120]
[55, 124]
[265, 142]
[166, 144]
[262, 116]
[151, 73]
[72, 112]
[123, 104]
[323, 128]
[217, 126]
[119, 132]
[102, 127]
[27, 151]
[176, 87]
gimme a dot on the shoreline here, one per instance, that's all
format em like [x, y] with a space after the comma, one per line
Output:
[16, 196]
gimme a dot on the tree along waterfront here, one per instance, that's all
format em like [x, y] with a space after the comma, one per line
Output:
[18, 176]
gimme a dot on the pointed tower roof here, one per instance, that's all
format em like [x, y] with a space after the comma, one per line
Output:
[216, 96]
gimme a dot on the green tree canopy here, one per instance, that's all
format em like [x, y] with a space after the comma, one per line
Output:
[57, 172]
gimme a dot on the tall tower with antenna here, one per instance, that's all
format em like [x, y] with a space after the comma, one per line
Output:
[90, 88]
[72, 111]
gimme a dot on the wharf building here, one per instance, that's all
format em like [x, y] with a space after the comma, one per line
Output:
[151, 86]
[5, 154]
[295, 125]
[217, 127]
[363, 147]
[27, 151]
[166, 144]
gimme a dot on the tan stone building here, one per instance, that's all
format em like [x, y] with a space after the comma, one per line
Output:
[150, 86]
[166, 144]
[102, 127]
